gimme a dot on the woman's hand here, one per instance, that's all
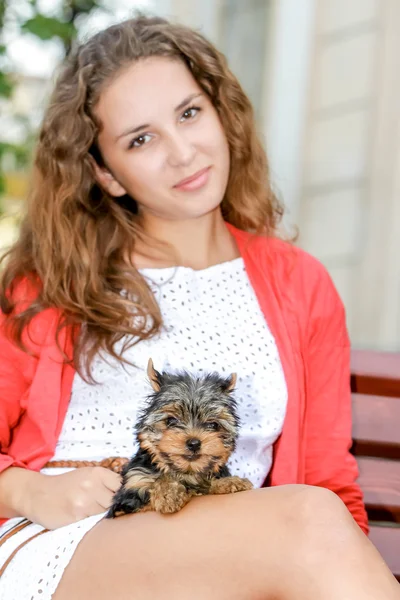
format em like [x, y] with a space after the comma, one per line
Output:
[56, 500]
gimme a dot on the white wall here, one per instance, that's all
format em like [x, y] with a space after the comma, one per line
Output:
[286, 83]
[349, 204]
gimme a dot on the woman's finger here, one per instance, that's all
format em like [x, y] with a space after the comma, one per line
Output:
[111, 480]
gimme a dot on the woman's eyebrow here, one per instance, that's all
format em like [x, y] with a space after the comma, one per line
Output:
[187, 100]
[181, 105]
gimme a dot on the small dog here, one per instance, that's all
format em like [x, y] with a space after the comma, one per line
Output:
[185, 434]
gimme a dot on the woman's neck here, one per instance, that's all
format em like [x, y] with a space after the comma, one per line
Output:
[196, 243]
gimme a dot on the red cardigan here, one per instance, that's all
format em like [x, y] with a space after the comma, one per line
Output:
[307, 319]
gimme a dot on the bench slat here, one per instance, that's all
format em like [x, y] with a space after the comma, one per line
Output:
[387, 541]
[375, 372]
[375, 383]
[376, 426]
[380, 482]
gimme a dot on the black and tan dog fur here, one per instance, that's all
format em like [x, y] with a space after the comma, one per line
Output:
[186, 434]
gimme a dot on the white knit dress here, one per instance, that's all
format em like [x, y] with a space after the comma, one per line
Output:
[212, 322]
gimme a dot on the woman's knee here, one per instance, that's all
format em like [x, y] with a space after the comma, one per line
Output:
[301, 504]
[320, 522]
[321, 508]
[293, 516]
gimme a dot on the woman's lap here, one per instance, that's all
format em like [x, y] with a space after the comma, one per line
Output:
[214, 548]
[234, 547]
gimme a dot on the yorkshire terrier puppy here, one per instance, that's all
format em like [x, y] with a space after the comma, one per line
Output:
[186, 434]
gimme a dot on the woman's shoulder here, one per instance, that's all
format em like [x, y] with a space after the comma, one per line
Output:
[20, 298]
[295, 259]
[22, 292]
[283, 257]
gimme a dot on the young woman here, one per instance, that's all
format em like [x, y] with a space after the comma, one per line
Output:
[151, 231]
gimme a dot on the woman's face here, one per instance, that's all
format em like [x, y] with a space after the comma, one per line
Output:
[162, 141]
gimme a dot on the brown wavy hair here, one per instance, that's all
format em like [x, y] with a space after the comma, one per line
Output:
[76, 239]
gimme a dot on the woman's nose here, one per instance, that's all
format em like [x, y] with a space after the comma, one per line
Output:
[180, 151]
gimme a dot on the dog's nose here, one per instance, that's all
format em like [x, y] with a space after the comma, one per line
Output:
[193, 444]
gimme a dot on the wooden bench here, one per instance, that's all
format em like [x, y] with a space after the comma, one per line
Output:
[375, 384]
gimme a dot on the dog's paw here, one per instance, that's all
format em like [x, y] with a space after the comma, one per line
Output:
[169, 497]
[128, 501]
[230, 485]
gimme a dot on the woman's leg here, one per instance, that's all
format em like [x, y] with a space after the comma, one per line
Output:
[290, 542]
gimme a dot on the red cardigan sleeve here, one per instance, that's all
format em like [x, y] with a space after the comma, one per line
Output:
[328, 418]
[17, 369]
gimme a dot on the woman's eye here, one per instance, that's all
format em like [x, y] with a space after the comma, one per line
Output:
[213, 426]
[141, 140]
[190, 113]
[171, 422]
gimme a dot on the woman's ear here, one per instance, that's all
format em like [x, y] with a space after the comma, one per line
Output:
[106, 180]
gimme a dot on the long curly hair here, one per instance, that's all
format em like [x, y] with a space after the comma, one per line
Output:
[76, 240]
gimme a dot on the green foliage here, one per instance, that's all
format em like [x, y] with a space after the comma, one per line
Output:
[6, 86]
[21, 152]
[61, 27]
[2, 11]
[72, 8]
[2, 178]
[47, 28]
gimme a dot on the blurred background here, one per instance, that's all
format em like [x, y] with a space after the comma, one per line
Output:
[324, 79]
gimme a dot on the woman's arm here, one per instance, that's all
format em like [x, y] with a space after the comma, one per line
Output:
[328, 419]
[16, 373]
[49, 500]
[15, 486]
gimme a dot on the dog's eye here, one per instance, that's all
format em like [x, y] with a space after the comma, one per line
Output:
[171, 422]
[213, 426]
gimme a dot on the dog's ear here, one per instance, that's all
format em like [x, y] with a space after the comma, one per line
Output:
[231, 382]
[154, 376]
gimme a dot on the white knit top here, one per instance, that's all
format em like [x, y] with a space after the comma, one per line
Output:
[212, 321]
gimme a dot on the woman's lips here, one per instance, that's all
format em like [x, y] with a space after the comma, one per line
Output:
[194, 182]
